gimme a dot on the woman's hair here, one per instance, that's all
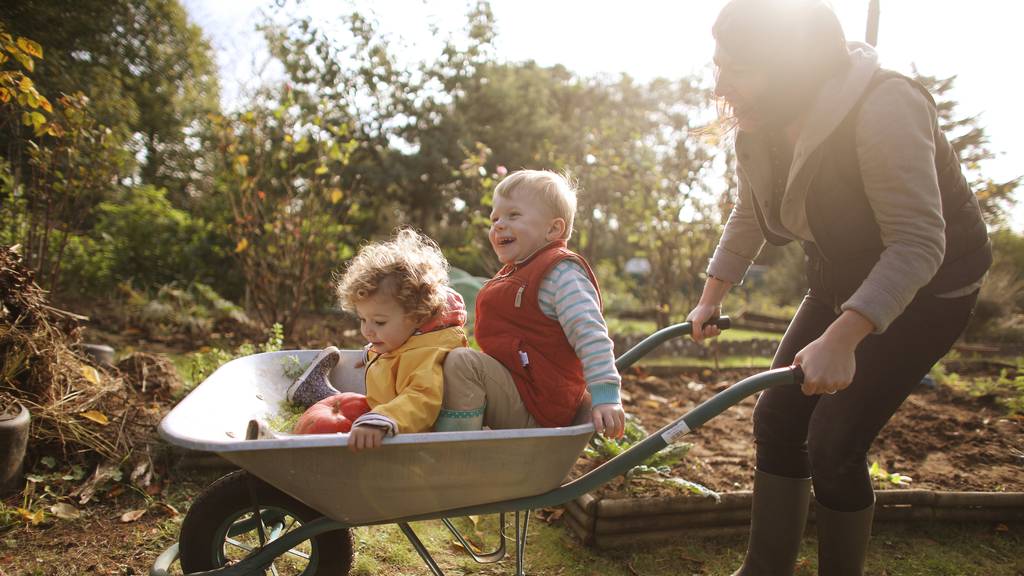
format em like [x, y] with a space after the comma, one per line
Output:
[555, 191]
[410, 268]
[799, 43]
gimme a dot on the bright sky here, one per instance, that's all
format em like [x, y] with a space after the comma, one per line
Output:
[980, 41]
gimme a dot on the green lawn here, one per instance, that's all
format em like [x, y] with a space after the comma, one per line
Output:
[648, 327]
[908, 550]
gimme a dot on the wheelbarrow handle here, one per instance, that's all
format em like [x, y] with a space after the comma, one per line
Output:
[637, 453]
[619, 465]
[661, 336]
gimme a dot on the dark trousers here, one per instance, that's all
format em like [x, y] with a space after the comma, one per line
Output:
[827, 437]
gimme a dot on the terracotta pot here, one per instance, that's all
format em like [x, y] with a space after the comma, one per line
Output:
[13, 441]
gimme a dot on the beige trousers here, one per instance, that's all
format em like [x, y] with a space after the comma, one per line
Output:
[473, 379]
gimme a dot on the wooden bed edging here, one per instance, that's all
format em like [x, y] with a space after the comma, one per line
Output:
[616, 522]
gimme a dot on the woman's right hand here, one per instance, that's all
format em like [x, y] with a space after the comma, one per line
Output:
[700, 316]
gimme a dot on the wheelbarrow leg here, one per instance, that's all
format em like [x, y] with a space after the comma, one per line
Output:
[483, 557]
[521, 541]
[420, 549]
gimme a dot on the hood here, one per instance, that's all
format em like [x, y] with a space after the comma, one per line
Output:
[834, 102]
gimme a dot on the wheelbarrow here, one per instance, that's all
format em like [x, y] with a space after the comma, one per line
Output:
[291, 508]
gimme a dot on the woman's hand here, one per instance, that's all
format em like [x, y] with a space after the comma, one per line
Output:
[829, 362]
[700, 316]
[828, 366]
[708, 309]
[609, 419]
[365, 438]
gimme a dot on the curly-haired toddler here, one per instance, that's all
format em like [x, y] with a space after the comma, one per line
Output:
[411, 320]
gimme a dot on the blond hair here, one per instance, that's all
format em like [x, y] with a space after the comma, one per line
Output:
[556, 191]
[410, 268]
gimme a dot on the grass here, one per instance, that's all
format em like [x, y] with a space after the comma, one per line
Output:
[648, 327]
[740, 335]
[758, 362]
[933, 550]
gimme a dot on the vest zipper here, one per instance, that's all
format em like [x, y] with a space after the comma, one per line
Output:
[519, 297]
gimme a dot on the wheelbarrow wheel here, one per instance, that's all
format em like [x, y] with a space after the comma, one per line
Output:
[220, 528]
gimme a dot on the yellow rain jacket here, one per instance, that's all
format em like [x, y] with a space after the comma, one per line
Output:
[406, 385]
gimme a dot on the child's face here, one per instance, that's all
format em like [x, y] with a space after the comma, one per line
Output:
[384, 323]
[521, 225]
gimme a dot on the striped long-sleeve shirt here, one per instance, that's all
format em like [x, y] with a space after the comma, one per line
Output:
[567, 296]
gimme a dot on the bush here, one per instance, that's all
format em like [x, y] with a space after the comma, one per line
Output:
[143, 241]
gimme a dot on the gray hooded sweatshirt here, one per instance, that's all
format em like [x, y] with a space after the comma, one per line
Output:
[896, 130]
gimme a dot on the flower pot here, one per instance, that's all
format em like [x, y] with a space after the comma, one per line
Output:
[99, 353]
[13, 441]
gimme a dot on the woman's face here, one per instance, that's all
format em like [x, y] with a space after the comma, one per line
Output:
[744, 85]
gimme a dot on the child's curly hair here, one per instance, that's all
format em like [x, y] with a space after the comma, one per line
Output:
[410, 267]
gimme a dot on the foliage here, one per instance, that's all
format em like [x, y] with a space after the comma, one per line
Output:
[207, 360]
[142, 240]
[658, 465]
[291, 216]
[148, 73]
[885, 478]
[971, 144]
[1007, 389]
[193, 312]
[999, 314]
[58, 165]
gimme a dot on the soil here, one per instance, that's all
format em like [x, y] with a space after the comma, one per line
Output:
[941, 439]
[944, 440]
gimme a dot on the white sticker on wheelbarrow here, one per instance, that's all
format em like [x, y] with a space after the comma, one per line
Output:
[677, 430]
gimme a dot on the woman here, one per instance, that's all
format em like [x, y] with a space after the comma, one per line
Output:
[848, 159]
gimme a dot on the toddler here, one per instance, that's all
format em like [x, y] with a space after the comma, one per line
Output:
[538, 320]
[411, 319]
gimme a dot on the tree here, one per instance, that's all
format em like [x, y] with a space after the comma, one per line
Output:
[147, 72]
[971, 143]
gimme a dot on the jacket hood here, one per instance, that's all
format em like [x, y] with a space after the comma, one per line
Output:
[835, 100]
[837, 97]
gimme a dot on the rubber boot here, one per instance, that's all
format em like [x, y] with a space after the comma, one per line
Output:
[842, 540]
[314, 384]
[777, 518]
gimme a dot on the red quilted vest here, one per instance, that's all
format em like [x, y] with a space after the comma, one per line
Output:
[511, 328]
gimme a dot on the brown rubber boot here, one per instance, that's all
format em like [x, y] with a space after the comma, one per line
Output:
[842, 540]
[777, 518]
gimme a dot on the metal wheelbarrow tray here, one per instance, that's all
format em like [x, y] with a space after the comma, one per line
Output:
[412, 477]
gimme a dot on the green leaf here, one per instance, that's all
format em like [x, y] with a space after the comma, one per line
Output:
[25, 60]
[698, 489]
[49, 461]
[30, 47]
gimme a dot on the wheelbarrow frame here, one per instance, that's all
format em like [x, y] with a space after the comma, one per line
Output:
[263, 557]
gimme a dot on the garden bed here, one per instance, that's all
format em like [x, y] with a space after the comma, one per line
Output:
[957, 457]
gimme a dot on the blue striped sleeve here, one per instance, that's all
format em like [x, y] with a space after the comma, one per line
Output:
[567, 295]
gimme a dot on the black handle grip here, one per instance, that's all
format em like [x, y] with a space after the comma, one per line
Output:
[723, 322]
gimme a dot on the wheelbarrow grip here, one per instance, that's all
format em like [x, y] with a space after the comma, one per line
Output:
[661, 336]
[723, 322]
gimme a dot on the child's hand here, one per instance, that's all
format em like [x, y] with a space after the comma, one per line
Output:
[609, 419]
[365, 438]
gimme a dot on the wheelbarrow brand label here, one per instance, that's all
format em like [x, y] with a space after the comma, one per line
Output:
[675, 432]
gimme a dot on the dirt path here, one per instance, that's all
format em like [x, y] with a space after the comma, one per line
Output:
[941, 439]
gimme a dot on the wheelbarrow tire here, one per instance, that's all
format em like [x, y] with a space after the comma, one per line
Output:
[204, 529]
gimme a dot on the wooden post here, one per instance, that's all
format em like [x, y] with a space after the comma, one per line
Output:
[871, 36]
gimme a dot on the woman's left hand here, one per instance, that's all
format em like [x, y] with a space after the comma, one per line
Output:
[828, 366]
[829, 362]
